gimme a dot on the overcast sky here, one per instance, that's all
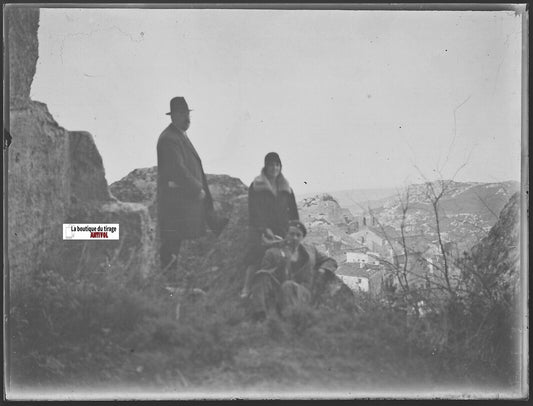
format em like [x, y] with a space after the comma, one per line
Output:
[349, 99]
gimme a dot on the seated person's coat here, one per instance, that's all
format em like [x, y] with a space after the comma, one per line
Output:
[277, 262]
[279, 282]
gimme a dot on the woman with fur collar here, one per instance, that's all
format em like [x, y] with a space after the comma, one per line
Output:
[271, 205]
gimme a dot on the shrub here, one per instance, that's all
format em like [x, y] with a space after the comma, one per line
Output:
[63, 327]
[300, 318]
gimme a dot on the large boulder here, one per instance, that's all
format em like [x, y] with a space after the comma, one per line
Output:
[140, 186]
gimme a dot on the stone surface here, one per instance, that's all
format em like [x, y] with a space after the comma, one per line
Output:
[224, 188]
[135, 251]
[87, 175]
[140, 185]
[38, 185]
[22, 47]
[497, 256]
[323, 208]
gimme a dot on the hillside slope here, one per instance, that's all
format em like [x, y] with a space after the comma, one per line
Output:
[467, 211]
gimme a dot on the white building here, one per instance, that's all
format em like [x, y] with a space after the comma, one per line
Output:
[362, 258]
[361, 279]
[356, 282]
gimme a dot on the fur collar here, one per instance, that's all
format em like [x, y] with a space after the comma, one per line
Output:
[261, 183]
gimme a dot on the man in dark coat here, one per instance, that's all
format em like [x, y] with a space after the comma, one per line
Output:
[185, 205]
[291, 274]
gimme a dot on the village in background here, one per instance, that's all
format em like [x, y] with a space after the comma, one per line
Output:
[374, 243]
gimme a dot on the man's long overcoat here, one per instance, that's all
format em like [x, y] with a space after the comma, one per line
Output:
[180, 209]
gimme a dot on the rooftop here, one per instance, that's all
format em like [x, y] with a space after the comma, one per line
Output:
[351, 269]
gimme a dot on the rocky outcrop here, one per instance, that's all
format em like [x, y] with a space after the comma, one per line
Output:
[496, 258]
[140, 185]
[325, 209]
[57, 176]
[224, 189]
[327, 222]
[38, 185]
[22, 52]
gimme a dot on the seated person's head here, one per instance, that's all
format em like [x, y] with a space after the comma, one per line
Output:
[296, 233]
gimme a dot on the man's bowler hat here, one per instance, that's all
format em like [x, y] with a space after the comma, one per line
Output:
[178, 105]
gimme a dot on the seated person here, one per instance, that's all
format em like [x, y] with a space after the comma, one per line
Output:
[292, 273]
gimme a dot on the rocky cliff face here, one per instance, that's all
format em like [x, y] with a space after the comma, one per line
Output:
[38, 185]
[22, 51]
[496, 258]
[57, 176]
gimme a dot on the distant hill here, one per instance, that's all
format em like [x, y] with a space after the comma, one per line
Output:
[356, 200]
[467, 211]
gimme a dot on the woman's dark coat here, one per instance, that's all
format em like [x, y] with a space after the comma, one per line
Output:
[180, 209]
[268, 210]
